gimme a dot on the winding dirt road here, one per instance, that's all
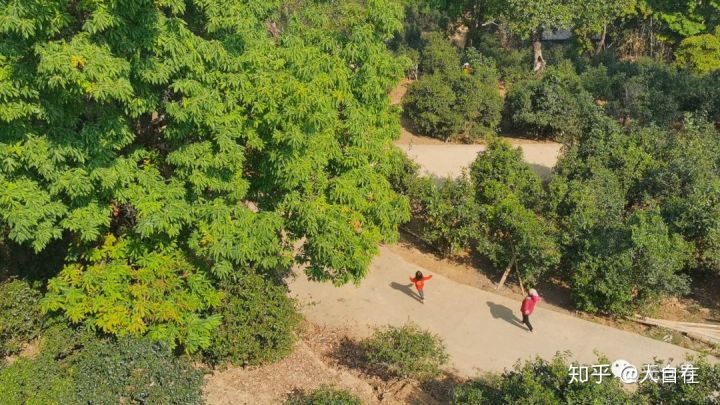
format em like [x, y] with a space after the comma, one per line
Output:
[482, 330]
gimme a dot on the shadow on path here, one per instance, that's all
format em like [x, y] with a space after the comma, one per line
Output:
[505, 313]
[406, 289]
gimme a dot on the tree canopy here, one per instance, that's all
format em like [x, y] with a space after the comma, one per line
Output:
[212, 135]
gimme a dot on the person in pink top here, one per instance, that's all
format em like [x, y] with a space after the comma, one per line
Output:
[528, 306]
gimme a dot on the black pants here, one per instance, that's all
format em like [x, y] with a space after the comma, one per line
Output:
[526, 321]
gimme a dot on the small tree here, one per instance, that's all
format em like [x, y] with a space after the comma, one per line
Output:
[513, 234]
[439, 55]
[447, 213]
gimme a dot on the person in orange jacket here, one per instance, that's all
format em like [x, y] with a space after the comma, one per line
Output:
[419, 281]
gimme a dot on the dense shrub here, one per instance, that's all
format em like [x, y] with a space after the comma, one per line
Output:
[446, 213]
[555, 106]
[406, 351]
[650, 92]
[430, 104]
[259, 322]
[135, 371]
[540, 382]
[482, 66]
[75, 366]
[20, 316]
[705, 391]
[41, 380]
[439, 55]
[327, 395]
[512, 62]
[454, 105]
[549, 382]
[636, 210]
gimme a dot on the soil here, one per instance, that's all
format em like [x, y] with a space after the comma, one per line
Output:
[322, 356]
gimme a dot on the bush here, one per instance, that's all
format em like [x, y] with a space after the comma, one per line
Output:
[135, 371]
[75, 366]
[430, 104]
[439, 55]
[705, 391]
[258, 325]
[453, 106]
[446, 212]
[540, 382]
[406, 351]
[20, 317]
[554, 107]
[548, 382]
[327, 395]
[41, 380]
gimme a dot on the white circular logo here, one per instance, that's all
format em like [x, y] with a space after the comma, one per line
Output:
[626, 372]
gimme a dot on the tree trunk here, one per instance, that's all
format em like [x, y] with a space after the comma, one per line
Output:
[506, 273]
[601, 44]
[539, 61]
[522, 287]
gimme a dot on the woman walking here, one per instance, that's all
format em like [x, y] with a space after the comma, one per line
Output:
[419, 281]
[528, 306]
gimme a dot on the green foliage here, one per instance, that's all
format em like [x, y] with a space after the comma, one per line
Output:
[525, 18]
[447, 213]
[439, 55]
[700, 53]
[453, 106]
[77, 367]
[509, 194]
[203, 136]
[327, 395]
[432, 106]
[406, 351]
[636, 209]
[512, 64]
[136, 370]
[542, 382]
[555, 106]
[688, 17]
[125, 289]
[258, 326]
[41, 380]
[630, 266]
[650, 92]
[702, 392]
[20, 316]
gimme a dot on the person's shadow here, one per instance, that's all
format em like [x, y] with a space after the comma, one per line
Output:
[406, 289]
[505, 313]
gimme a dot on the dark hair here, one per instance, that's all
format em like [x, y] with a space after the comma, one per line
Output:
[418, 275]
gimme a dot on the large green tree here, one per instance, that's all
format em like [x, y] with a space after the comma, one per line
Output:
[207, 136]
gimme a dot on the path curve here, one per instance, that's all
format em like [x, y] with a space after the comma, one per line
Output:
[448, 160]
[481, 329]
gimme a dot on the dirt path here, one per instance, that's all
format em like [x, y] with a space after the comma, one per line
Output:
[448, 160]
[481, 329]
[439, 159]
